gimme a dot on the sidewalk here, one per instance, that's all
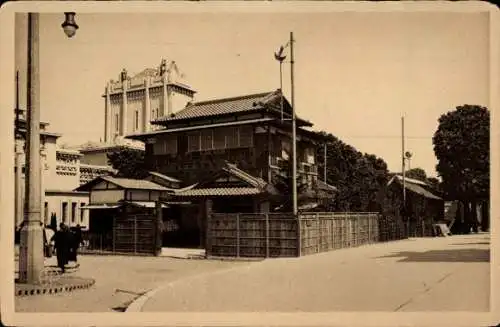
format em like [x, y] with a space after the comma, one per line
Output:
[118, 281]
[427, 274]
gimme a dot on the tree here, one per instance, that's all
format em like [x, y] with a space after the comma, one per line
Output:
[434, 183]
[417, 173]
[461, 144]
[360, 178]
[129, 163]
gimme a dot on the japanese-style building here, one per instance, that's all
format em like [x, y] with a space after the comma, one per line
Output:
[229, 152]
[424, 206]
[247, 131]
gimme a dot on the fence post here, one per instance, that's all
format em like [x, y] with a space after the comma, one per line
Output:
[237, 235]
[208, 239]
[135, 234]
[369, 228]
[318, 234]
[299, 235]
[114, 233]
[267, 235]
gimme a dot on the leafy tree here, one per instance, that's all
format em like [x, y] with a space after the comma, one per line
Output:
[129, 163]
[360, 178]
[461, 145]
[417, 173]
[434, 183]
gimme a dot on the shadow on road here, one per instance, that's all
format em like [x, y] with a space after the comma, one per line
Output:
[459, 255]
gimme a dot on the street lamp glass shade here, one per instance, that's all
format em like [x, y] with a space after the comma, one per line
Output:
[69, 26]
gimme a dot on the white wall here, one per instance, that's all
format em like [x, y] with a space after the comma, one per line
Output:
[106, 196]
[55, 205]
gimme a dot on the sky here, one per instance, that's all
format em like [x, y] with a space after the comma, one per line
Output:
[356, 73]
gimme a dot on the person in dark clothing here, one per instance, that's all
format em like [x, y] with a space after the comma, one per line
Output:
[76, 241]
[62, 245]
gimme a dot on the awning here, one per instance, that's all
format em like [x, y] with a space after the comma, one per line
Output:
[100, 206]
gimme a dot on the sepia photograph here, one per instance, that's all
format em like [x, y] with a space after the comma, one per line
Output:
[248, 158]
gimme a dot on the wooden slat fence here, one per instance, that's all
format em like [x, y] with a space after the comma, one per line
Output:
[279, 235]
[330, 230]
[252, 235]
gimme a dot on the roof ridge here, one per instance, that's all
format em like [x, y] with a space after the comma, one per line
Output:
[239, 97]
[253, 179]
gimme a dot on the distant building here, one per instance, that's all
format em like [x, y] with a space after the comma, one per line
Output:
[424, 207]
[62, 173]
[131, 103]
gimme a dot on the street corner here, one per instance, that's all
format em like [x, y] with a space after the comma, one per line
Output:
[57, 285]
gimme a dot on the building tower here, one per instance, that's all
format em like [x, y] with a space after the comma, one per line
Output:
[131, 103]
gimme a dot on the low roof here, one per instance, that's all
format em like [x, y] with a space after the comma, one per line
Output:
[126, 183]
[220, 191]
[165, 177]
[415, 186]
[255, 185]
[323, 186]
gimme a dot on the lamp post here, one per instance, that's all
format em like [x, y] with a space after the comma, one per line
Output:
[31, 256]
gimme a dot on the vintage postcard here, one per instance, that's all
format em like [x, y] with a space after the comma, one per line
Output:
[249, 163]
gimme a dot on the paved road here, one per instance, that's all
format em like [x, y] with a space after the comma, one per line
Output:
[119, 280]
[432, 274]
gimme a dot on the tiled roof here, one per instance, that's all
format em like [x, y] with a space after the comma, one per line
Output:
[220, 191]
[326, 187]
[252, 180]
[223, 106]
[165, 177]
[420, 190]
[134, 183]
[415, 186]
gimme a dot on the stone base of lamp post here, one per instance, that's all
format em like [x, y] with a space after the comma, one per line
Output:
[31, 258]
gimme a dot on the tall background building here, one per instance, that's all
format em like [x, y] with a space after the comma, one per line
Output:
[131, 103]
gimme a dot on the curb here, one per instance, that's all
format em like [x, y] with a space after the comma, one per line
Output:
[137, 304]
[30, 289]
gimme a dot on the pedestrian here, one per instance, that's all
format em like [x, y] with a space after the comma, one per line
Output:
[61, 240]
[77, 240]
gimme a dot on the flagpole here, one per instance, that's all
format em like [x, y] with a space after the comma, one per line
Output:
[294, 136]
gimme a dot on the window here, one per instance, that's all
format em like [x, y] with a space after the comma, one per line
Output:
[82, 212]
[73, 212]
[166, 145]
[246, 136]
[116, 123]
[136, 119]
[65, 212]
[232, 137]
[219, 139]
[207, 139]
[194, 142]
[46, 213]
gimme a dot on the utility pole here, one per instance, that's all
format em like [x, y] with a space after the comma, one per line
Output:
[18, 146]
[324, 162]
[403, 170]
[31, 258]
[294, 136]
